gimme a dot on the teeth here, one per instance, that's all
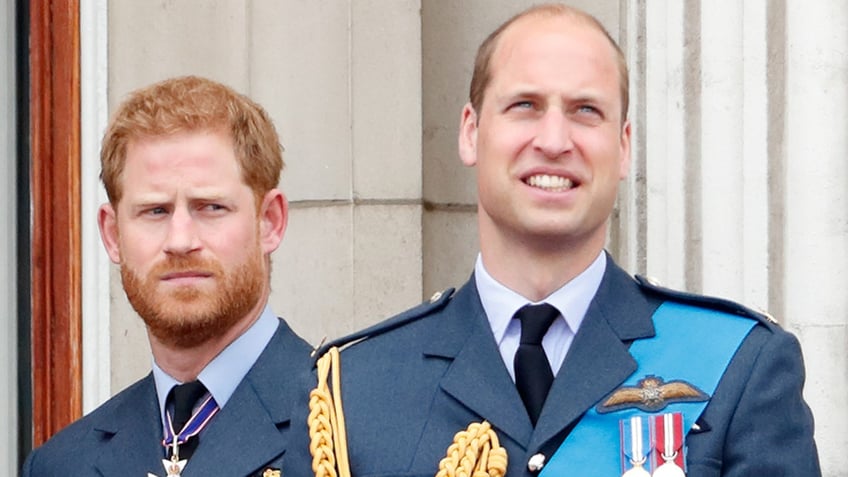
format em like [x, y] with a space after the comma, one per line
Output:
[552, 183]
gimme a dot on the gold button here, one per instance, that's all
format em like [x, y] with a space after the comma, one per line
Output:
[536, 462]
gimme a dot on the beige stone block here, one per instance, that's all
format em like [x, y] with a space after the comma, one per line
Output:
[300, 71]
[450, 34]
[826, 391]
[151, 41]
[387, 261]
[450, 248]
[386, 98]
[312, 282]
[130, 351]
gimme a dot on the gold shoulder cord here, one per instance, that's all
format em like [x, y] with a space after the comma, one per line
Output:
[326, 421]
[475, 451]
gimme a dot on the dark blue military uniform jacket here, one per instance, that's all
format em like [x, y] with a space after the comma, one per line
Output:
[418, 378]
[123, 437]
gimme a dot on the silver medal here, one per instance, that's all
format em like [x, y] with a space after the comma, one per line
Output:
[636, 471]
[669, 469]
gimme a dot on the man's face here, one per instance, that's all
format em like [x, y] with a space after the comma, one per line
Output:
[549, 143]
[186, 233]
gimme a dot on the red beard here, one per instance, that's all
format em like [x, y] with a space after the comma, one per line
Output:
[188, 316]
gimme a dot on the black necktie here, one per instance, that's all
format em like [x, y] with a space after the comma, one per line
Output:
[185, 398]
[533, 375]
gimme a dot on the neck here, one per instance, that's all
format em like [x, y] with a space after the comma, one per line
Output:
[537, 270]
[185, 364]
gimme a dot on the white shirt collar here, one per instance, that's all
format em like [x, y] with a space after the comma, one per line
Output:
[224, 373]
[572, 299]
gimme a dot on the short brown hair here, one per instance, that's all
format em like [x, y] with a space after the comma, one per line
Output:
[189, 104]
[482, 63]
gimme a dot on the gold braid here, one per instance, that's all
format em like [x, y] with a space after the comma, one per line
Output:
[475, 452]
[328, 439]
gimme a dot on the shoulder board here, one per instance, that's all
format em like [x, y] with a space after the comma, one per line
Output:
[721, 304]
[436, 302]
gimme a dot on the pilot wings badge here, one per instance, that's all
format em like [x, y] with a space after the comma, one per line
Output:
[651, 394]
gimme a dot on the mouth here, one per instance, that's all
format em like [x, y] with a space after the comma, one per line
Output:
[550, 183]
[185, 276]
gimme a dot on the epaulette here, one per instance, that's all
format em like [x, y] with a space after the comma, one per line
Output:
[435, 303]
[721, 304]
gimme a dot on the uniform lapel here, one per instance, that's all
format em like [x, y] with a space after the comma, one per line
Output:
[251, 430]
[477, 377]
[596, 364]
[132, 433]
[240, 439]
[598, 360]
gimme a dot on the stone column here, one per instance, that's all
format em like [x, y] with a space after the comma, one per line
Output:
[740, 122]
[814, 201]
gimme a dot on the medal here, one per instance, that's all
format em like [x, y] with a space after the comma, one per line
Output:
[669, 469]
[636, 471]
[633, 438]
[174, 466]
[668, 432]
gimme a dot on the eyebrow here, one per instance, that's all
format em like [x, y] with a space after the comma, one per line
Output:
[523, 92]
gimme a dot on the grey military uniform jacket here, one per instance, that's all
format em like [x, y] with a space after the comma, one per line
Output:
[248, 436]
[418, 378]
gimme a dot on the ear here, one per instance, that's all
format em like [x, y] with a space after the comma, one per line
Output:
[468, 136]
[107, 221]
[624, 166]
[273, 218]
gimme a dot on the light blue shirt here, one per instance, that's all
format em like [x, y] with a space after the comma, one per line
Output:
[572, 300]
[224, 373]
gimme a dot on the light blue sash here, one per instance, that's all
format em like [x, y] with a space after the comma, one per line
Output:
[691, 344]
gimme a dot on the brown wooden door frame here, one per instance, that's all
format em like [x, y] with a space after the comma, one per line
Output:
[56, 321]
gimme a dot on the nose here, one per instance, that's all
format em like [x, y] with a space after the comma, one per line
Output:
[553, 136]
[182, 233]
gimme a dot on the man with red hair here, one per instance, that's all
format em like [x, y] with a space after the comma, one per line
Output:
[191, 171]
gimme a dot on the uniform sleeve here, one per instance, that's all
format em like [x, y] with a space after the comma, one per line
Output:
[26, 470]
[771, 431]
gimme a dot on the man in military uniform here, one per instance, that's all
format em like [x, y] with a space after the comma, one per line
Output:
[563, 360]
[191, 171]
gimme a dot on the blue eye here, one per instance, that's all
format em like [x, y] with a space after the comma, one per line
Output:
[589, 114]
[214, 208]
